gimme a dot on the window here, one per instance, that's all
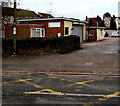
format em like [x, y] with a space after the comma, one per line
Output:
[101, 31]
[91, 33]
[66, 30]
[37, 32]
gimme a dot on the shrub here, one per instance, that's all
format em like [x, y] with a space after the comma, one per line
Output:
[40, 45]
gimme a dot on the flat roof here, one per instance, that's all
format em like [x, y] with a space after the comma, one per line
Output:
[54, 19]
[28, 24]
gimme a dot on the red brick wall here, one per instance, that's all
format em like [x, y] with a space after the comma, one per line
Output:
[8, 31]
[50, 31]
[23, 31]
[94, 37]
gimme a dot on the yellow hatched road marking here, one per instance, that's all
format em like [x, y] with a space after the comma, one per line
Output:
[109, 96]
[52, 92]
[79, 83]
[25, 81]
[18, 80]
[48, 90]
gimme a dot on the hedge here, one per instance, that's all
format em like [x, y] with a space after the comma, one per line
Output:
[41, 45]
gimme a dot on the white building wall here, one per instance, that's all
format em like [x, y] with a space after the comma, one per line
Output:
[68, 24]
[100, 34]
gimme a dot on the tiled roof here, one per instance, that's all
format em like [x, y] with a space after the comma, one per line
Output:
[45, 15]
[6, 11]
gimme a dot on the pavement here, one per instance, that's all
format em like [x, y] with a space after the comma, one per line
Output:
[86, 76]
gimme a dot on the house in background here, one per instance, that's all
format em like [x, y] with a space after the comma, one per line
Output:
[8, 16]
[107, 21]
[117, 23]
[45, 15]
[50, 27]
[95, 28]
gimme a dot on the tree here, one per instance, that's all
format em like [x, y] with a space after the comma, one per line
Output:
[107, 14]
[9, 3]
[113, 23]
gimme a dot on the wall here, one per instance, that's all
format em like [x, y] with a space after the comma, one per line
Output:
[68, 24]
[50, 31]
[23, 31]
[100, 34]
[53, 31]
[118, 23]
[84, 31]
[94, 36]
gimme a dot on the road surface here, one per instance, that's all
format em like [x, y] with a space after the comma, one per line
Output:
[87, 76]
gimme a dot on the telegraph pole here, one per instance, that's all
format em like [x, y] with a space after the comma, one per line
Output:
[14, 30]
[51, 8]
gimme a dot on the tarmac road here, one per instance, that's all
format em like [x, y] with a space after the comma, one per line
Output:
[87, 76]
[93, 57]
[37, 89]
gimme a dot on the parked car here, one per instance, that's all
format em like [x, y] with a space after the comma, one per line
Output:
[115, 34]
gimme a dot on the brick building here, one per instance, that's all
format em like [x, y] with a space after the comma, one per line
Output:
[95, 28]
[50, 27]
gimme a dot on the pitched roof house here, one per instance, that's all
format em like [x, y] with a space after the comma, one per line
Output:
[95, 28]
[45, 15]
[107, 22]
[8, 16]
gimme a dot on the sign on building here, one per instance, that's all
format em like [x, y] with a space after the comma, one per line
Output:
[54, 24]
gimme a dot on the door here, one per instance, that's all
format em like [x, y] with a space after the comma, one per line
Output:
[78, 30]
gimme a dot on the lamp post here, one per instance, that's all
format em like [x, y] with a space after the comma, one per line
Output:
[14, 30]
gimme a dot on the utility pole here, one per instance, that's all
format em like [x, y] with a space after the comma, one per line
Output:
[14, 30]
[51, 8]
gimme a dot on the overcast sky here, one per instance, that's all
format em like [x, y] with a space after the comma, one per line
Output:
[73, 8]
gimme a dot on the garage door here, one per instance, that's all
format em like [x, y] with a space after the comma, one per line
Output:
[78, 30]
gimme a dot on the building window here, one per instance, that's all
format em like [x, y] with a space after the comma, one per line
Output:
[37, 32]
[66, 30]
[91, 33]
[101, 31]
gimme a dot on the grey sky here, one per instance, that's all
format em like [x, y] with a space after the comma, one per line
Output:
[73, 8]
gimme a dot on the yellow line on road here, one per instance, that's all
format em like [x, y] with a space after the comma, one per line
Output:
[109, 96]
[51, 92]
[30, 83]
[79, 83]
[25, 81]
[18, 80]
